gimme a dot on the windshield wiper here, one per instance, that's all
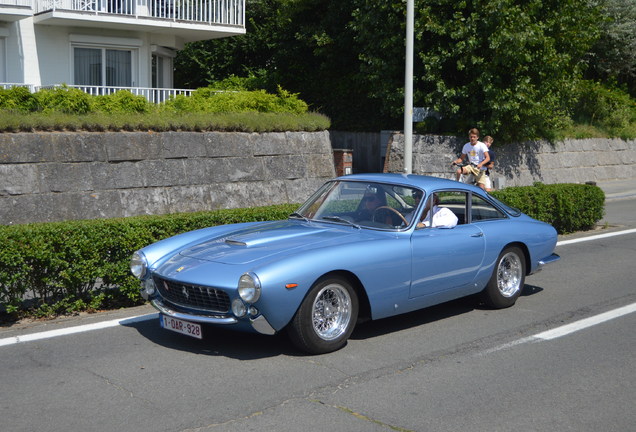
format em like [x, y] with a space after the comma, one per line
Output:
[339, 219]
[298, 216]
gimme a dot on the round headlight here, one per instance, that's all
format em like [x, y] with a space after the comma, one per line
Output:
[138, 265]
[249, 288]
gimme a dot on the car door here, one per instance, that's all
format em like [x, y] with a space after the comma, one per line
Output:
[447, 259]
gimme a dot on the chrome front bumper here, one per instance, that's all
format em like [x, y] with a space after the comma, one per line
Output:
[259, 323]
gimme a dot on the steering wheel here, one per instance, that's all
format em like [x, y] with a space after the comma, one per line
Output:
[391, 209]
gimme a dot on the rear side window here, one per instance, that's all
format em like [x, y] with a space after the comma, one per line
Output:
[456, 202]
[482, 210]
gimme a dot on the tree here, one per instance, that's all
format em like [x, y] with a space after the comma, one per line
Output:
[505, 66]
[613, 57]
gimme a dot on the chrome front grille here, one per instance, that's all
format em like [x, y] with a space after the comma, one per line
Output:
[194, 296]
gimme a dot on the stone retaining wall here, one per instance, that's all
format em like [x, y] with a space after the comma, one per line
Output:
[59, 176]
[571, 161]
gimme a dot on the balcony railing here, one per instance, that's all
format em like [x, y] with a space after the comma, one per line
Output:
[27, 3]
[226, 12]
[153, 95]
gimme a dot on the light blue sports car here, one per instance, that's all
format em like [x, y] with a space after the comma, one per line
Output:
[362, 247]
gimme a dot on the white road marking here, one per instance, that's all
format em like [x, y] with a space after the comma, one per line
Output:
[114, 323]
[77, 329]
[567, 329]
[596, 237]
[585, 323]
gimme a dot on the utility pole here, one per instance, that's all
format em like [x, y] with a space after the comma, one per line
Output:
[408, 89]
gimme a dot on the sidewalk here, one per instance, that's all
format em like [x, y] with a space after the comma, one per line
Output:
[618, 189]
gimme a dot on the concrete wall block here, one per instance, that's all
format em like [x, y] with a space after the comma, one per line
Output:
[224, 144]
[186, 199]
[309, 142]
[120, 175]
[25, 148]
[65, 177]
[93, 205]
[320, 165]
[619, 144]
[144, 201]
[22, 209]
[574, 146]
[131, 146]
[73, 147]
[169, 172]
[19, 179]
[241, 169]
[272, 144]
[176, 145]
[285, 167]
[247, 194]
[299, 190]
[547, 161]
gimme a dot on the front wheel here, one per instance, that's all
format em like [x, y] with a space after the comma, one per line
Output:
[326, 317]
[506, 282]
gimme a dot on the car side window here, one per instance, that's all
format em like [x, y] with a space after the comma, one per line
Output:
[456, 202]
[482, 210]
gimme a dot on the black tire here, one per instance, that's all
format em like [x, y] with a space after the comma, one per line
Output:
[508, 276]
[325, 319]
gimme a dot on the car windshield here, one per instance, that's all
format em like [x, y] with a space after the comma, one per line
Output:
[363, 204]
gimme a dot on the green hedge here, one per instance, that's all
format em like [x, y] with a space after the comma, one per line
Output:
[567, 207]
[63, 267]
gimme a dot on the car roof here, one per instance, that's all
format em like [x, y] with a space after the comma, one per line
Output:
[426, 183]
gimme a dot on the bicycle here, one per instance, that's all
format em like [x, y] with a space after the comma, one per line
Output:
[463, 178]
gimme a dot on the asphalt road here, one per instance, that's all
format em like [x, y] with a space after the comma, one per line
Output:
[454, 367]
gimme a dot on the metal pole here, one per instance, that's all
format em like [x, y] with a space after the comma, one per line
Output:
[408, 89]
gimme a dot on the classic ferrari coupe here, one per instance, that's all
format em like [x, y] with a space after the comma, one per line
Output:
[362, 247]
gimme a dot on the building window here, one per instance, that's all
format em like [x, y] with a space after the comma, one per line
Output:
[102, 67]
[3, 62]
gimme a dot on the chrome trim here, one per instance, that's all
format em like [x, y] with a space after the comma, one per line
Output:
[158, 304]
[547, 260]
[261, 325]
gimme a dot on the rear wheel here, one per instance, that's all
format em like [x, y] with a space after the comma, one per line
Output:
[508, 277]
[326, 317]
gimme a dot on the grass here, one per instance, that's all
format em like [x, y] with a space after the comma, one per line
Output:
[163, 122]
[584, 131]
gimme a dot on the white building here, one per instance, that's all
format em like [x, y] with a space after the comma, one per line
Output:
[105, 45]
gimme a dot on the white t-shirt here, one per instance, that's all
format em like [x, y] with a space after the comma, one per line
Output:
[476, 153]
[442, 218]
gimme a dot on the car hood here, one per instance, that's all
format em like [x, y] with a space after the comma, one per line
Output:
[266, 240]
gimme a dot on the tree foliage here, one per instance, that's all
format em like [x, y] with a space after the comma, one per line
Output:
[613, 57]
[509, 67]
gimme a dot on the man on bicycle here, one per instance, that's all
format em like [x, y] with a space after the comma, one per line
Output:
[477, 154]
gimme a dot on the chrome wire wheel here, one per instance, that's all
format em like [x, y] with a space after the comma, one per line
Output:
[510, 274]
[331, 312]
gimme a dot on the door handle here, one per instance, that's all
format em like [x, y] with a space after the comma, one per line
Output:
[479, 234]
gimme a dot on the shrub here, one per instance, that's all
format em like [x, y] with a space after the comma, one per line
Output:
[211, 100]
[64, 99]
[63, 266]
[567, 207]
[122, 102]
[19, 99]
[612, 109]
